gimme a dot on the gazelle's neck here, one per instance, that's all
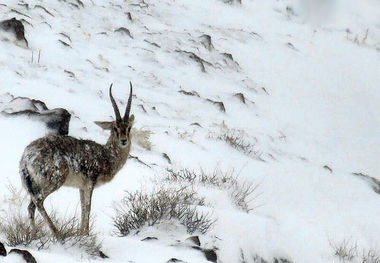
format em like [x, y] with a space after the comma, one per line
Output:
[118, 155]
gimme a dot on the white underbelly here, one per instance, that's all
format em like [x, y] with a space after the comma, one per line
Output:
[75, 180]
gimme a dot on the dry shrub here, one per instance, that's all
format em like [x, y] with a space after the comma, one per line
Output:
[235, 139]
[142, 138]
[370, 256]
[17, 231]
[358, 39]
[348, 251]
[15, 196]
[239, 140]
[345, 250]
[239, 192]
[139, 209]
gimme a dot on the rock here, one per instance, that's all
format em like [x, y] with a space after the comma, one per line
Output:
[220, 104]
[371, 181]
[102, 255]
[25, 255]
[56, 120]
[166, 157]
[193, 240]
[16, 27]
[281, 260]
[210, 255]
[125, 31]
[328, 168]
[149, 238]
[3, 251]
[240, 96]
[258, 259]
[196, 124]
[189, 93]
[24, 104]
[231, 2]
[206, 42]
[175, 260]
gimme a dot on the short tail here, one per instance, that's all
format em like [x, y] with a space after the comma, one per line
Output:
[28, 180]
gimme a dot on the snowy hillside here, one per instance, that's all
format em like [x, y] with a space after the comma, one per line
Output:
[282, 95]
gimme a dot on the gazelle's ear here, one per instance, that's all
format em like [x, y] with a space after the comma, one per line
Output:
[131, 119]
[106, 125]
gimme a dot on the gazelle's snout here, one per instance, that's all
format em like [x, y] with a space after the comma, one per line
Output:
[123, 142]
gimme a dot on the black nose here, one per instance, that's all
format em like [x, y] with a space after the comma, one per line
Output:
[123, 142]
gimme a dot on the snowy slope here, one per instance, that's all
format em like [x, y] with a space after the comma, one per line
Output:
[310, 77]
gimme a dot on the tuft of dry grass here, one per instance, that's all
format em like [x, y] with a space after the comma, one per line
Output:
[15, 197]
[236, 140]
[345, 250]
[370, 256]
[139, 209]
[239, 140]
[142, 138]
[348, 251]
[241, 193]
[17, 231]
[357, 39]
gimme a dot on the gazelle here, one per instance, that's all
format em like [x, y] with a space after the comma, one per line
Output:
[54, 161]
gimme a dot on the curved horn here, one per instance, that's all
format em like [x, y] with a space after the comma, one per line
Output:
[128, 108]
[114, 105]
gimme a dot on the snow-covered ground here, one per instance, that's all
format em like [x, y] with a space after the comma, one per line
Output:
[309, 72]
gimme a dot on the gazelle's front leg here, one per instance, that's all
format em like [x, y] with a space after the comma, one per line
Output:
[85, 199]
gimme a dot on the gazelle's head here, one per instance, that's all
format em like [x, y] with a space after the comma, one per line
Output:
[121, 127]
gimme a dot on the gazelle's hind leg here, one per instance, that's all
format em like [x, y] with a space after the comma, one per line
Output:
[40, 206]
[32, 211]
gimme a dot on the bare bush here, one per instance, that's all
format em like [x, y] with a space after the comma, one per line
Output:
[15, 197]
[345, 250]
[142, 138]
[348, 251]
[370, 256]
[140, 209]
[236, 140]
[72, 236]
[17, 231]
[357, 39]
[240, 193]
[239, 140]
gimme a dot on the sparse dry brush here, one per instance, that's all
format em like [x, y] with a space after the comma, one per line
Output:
[139, 209]
[370, 256]
[348, 251]
[235, 139]
[241, 193]
[15, 196]
[345, 250]
[142, 137]
[17, 231]
[239, 140]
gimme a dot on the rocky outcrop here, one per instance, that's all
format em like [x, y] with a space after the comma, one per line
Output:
[15, 26]
[371, 181]
[194, 242]
[3, 251]
[56, 120]
[25, 255]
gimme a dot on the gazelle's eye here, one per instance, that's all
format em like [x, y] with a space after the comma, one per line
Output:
[115, 129]
[129, 129]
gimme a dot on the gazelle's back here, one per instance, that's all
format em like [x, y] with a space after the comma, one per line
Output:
[53, 161]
